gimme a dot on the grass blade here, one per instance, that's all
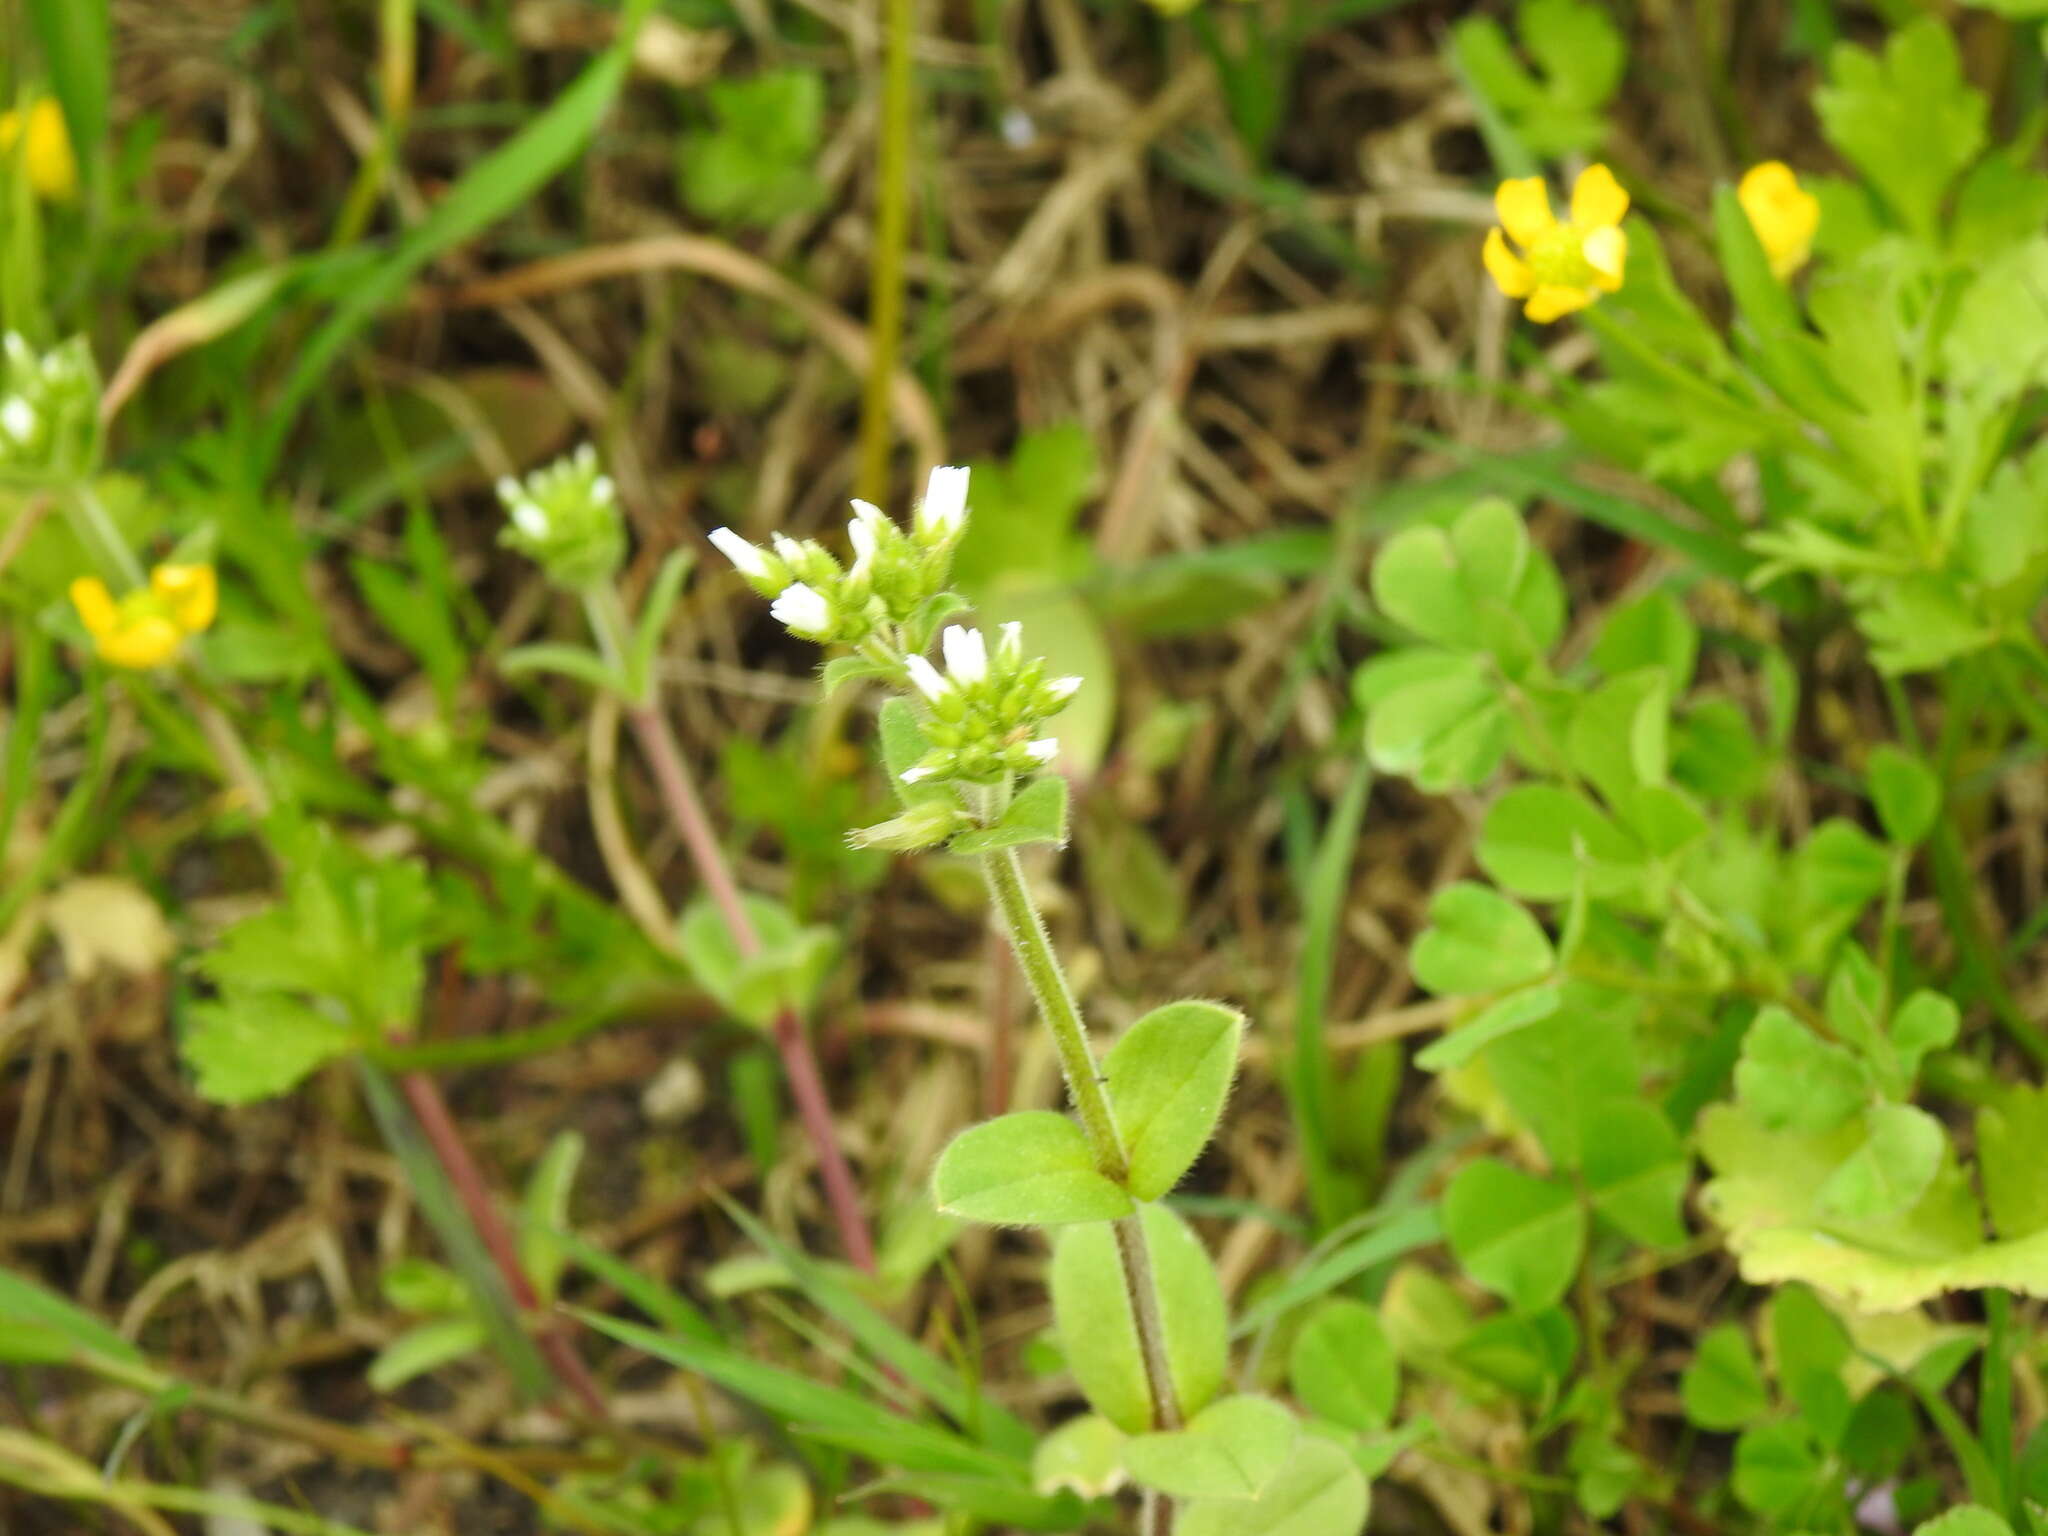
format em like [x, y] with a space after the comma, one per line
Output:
[77, 39]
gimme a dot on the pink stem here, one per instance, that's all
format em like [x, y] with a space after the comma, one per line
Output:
[799, 1061]
[431, 1110]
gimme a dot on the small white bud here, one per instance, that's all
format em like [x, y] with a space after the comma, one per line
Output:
[788, 548]
[1010, 645]
[745, 558]
[802, 611]
[927, 678]
[966, 654]
[918, 774]
[862, 533]
[943, 512]
[18, 417]
[1063, 688]
[532, 520]
[603, 489]
[1044, 750]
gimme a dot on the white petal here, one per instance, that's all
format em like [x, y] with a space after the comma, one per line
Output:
[788, 548]
[802, 610]
[19, 418]
[602, 489]
[532, 520]
[944, 509]
[1064, 688]
[508, 490]
[927, 678]
[736, 549]
[966, 653]
[862, 533]
[1010, 647]
[1044, 750]
[915, 775]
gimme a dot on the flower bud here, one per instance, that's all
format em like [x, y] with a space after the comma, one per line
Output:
[566, 519]
[920, 826]
[49, 409]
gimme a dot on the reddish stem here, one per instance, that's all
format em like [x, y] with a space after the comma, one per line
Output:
[431, 1110]
[792, 1039]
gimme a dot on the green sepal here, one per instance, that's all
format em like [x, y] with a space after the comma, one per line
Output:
[1037, 815]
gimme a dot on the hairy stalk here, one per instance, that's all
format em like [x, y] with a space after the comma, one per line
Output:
[892, 232]
[438, 1124]
[792, 1039]
[1048, 982]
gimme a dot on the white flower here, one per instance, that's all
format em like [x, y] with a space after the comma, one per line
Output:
[1063, 688]
[803, 611]
[943, 512]
[1044, 750]
[929, 680]
[788, 549]
[19, 418]
[862, 533]
[532, 520]
[966, 654]
[745, 558]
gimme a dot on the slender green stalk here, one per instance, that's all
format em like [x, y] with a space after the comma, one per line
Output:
[892, 235]
[1048, 982]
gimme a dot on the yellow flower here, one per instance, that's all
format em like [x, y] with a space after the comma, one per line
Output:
[145, 627]
[52, 168]
[1561, 266]
[1783, 214]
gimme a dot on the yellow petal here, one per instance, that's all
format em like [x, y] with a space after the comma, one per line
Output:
[1551, 302]
[52, 169]
[191, 592]
[1598, 201]
[147, 640]
[1524, 208]
[1606, 252]
[95, 605]
[1509, 272]
[1784, 215]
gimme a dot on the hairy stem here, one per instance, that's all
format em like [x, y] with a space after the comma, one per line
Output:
[892, 232]
[431, 1110]
[1048, 982]
[792, 1039]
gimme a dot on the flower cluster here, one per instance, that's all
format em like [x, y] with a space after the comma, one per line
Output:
[45, 148]
[986, 708]
[566, 519]
[144, 628]
[893, 577]
[49, 408]
[1561, 265]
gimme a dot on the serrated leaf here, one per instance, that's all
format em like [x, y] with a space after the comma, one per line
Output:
[1037, 815]
[1230, 1450]
[1792, 1079]
[1342, 1366]
[248, 1045]
[1168, 1076]
[1722, 1386]
[1099, 1338]
[1914, 97]
[1031, 1169]
[1479, 941]
[1319, 1492]
[1900, 1155]
[1519, 1236]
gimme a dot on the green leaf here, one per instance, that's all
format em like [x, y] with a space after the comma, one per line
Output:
[1230, 1450]
[546, 1212]
[1480, 586]
[1636, 1171]
[424, 1348]
[1168, 1075]
[1966, 1520]
[2012, 1152]
[1084, 1454]
[785, 972]
[422, 1286]
[757, 166]
[1519, 1236]
[249, 1045]
[1722, 1387]
[841, 670]
[1479, 941]
[77, 43]
[1791, 1079]
[1908, 121]
[1319, 1492]
[1432, 716]
[652, 623]
[1906, 793]
[572, 661]
[1342, 1367]
[1099, 1338]
[1900, 1155]
[1515, 1012]
[1620, 734]
[1777, 1467]
[1037, 815]
[903, 743]
[1925, 1022]
[1652, 631]
[27, 1303]
[1031, 1169]
[1542, 840]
